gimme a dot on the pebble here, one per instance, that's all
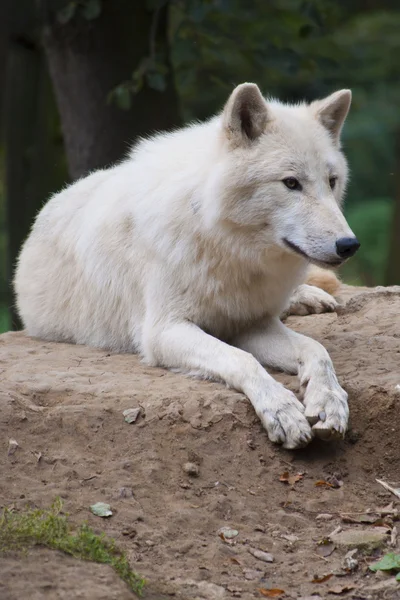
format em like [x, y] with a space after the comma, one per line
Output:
[264, 556]
[252, 574]
[368, 539]
[131, 414]
[350, 563]
[227, 533]
[191, 469]
[12, 446]
[324, 517]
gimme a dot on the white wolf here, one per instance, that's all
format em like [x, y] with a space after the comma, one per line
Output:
[188, 251]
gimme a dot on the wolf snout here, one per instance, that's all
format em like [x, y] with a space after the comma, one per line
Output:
[347, 246]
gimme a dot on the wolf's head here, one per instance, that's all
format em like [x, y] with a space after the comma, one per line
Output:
[282, 174]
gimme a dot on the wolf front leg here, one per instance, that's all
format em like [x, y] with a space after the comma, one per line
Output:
[186, 347]
[275, 345]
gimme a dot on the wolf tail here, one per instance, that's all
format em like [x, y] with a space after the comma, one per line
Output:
[324, 279]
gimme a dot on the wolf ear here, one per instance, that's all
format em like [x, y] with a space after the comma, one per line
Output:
[332, 111]
[245, 114]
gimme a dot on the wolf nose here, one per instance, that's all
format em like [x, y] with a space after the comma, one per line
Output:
[346, 247]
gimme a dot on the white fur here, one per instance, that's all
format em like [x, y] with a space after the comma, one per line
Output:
[177, 253]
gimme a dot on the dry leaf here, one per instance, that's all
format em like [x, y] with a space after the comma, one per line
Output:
[325, 548]
[271, 593]
[365, 518]
[290, 479]
[395, 491]
[342, 589]
[234, 561]
[322, 579]
[322, 483]
[388, 510]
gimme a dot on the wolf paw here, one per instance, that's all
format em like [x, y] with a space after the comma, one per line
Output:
[308, 300]
[327, 411]
[284, 420]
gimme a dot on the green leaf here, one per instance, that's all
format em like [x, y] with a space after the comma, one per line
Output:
[398, 577]
[387, 563]
[122, 97]
[156, 81]
[65, 14]
[91, 9]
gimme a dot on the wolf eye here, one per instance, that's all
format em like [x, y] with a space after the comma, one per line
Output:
[332, 182]
[292, 183]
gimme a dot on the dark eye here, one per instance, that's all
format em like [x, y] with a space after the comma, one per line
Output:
[332, 182]
[292, 183]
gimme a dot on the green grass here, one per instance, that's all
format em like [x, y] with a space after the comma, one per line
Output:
[49, 528]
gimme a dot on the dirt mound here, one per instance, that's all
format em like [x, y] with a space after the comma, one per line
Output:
[63, 405]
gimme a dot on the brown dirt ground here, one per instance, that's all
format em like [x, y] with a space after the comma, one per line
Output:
[66, 402]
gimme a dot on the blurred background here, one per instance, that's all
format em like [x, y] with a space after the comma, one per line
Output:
[80, 80]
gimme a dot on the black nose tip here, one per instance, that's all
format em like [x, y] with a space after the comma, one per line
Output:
[346, 247]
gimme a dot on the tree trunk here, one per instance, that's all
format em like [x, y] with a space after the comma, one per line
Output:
[33, 162]
[87, 60]
[393, 267]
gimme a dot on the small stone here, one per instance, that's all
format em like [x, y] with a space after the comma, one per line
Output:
[368, 539]
[324, 517]
[131, 414]
[12, 446]
[252, 574]
[191, 469]
[149, 543]
[226, 533]
[350, 563]
[101, 509]
[260, 555]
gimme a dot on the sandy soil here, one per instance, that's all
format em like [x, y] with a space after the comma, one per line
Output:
[66, 403]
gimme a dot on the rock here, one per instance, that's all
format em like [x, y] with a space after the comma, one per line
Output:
[101, 509]
[367, 539]
[227, 533]
[12, 446]
[131, 414]
[324, 517]
[350, 563]
[191, 469]
[264, 556]
[252, 574]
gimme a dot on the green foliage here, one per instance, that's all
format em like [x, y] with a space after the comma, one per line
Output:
[19, 531]
[371, 222]
[390, 562]
[5, 323]
[88, 9]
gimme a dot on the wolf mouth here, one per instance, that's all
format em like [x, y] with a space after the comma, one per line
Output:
[317, 261]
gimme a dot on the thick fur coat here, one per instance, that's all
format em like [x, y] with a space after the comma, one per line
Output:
[188, 252]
